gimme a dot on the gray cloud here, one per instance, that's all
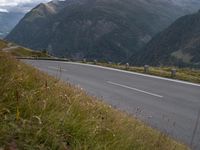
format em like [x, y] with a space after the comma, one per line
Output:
[19, 5]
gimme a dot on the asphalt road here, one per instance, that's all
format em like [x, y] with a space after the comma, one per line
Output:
[168, 105]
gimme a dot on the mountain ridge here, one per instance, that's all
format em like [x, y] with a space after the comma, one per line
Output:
[109, 30]
[177, 45]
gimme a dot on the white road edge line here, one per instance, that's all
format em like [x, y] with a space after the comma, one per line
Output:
[135, 73]
[50, 67]
[55, 68]
[131, 88]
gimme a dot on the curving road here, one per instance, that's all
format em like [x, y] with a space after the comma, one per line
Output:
[171, 106]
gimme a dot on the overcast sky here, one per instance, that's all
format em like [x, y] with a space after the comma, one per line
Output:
[18, 5]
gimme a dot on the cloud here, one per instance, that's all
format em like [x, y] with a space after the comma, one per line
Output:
[4, 10]
[19, 5]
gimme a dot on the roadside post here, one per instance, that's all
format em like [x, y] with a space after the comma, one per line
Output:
[95, 62]
[127, 66]
[84, 60]
[173, 73]
[146, 68]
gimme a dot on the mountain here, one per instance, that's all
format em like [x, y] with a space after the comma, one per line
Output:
[7, 22]
[110, 30]
[179, 44]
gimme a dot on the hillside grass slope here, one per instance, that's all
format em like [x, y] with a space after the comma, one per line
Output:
[40, 112]
[20, 51]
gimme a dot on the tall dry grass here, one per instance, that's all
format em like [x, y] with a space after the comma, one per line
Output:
[40, 112]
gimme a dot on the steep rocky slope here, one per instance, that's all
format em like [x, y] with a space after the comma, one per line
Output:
[179, 44]
[96, 29]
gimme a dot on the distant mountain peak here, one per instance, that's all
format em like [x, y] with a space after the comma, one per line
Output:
[45, 8]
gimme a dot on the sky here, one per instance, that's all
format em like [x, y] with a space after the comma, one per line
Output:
[18, 5]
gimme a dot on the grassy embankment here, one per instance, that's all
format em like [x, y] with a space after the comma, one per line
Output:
[185, 74]
[40, 112]
[19, 51]
[22, 52]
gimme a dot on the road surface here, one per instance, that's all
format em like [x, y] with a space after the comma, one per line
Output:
[168, 105]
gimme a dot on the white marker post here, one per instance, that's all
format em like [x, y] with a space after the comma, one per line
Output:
[173, 73]
[146, 68]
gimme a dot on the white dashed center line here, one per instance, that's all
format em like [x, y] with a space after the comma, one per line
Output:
[131, 88]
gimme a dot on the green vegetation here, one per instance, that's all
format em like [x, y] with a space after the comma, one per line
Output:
[185, 74]
[20, 51]
[23, 52]
[3, 44]
[40, 112]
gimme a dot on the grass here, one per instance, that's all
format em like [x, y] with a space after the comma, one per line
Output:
[22, 52]
[185, 74]
[3, 44]
[19, 51]
[40, 112]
